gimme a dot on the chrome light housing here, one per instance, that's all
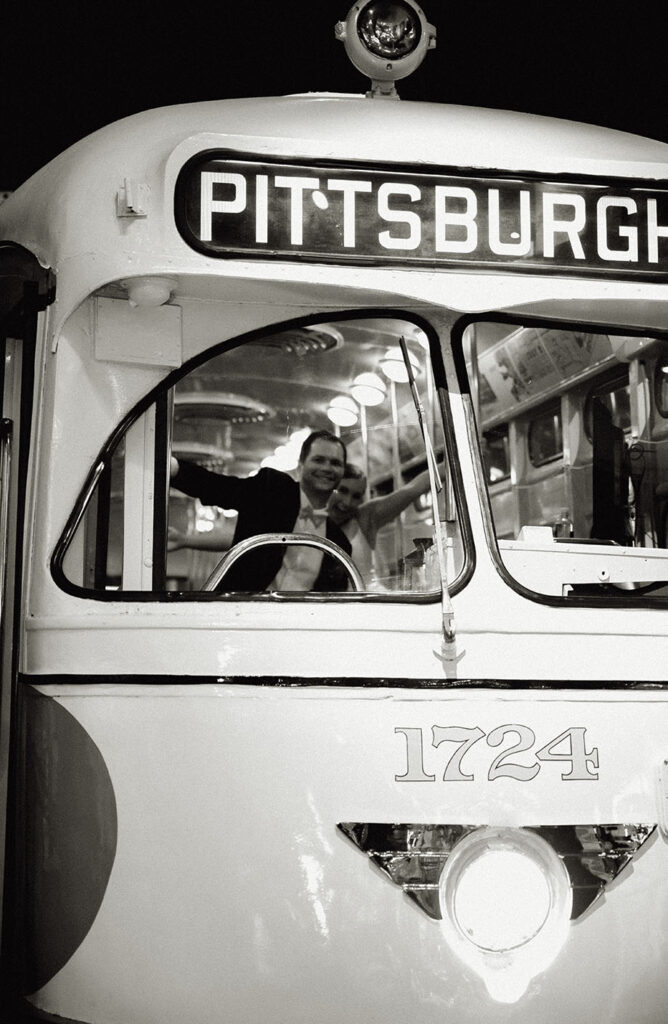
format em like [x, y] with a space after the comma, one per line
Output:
[504, 896]
[386, 40]
[506, 904]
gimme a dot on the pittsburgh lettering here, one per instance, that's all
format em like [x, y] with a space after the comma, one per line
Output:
[232, 207]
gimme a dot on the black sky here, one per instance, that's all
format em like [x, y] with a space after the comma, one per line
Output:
[69, 68]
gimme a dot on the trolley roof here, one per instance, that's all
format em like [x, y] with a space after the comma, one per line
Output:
[348, 127]
[67, 210]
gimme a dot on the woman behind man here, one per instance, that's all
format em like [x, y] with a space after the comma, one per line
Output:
[361, 520]
[358, 519]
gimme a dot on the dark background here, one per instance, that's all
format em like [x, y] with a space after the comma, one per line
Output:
[69, 68]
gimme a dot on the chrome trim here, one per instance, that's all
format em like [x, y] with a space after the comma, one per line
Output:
[413, 856]
[5, 467]
[259, 540]
[82, 506]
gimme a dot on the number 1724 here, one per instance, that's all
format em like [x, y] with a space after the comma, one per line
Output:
[456, 742]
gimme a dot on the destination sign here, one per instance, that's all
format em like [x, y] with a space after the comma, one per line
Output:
[356, 214]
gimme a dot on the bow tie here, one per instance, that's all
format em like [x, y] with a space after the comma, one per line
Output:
[314, 516]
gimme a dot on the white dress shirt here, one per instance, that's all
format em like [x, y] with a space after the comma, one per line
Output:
[301, 565]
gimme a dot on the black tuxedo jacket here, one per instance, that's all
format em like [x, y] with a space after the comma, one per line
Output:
[266, 503]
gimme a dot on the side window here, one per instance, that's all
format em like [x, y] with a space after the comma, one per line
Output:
[574, 421]
[308, 431]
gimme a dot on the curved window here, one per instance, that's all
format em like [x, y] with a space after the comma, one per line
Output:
[287, 433]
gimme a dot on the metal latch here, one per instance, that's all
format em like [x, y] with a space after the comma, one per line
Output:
[132, 199]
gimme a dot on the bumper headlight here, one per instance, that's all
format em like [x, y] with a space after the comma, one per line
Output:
[506, 904]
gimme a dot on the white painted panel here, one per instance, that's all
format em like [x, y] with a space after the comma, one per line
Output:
[234, 896]
[137, 334]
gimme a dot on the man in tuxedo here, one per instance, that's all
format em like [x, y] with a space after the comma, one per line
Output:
[272, 502]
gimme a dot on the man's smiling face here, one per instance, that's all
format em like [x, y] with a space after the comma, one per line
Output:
[321, 470]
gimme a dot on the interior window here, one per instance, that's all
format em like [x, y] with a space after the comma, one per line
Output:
[496, 453]
[614, 393]
[584, 509]
[309, 431]
[545, 441]
[661, 382]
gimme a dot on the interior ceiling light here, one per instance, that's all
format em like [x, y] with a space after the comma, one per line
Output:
[220, 405]
[204, 454]
[298, 437]
[302, 341]
[343, 411]
[368, 389]
[285, 458]
[393, 366]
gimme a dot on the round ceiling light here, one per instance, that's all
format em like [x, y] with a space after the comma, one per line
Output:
[368, 389]
[342, 411]
[393, 366]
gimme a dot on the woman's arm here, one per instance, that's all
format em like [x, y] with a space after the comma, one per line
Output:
[378, 511]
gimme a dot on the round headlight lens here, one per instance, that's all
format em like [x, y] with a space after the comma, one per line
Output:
[389, 30]
[506, 902]
[502, 900]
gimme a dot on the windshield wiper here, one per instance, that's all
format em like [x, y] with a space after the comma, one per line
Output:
[448, 646]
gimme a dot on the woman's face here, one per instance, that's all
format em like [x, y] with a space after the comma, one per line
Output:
[346, 499]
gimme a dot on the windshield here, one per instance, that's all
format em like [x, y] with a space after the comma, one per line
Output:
[308, 430]
[573, 432]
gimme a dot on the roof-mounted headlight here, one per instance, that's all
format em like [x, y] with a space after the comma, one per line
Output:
[386, 40]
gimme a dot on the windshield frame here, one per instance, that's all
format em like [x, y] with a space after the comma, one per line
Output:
[442, 404]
